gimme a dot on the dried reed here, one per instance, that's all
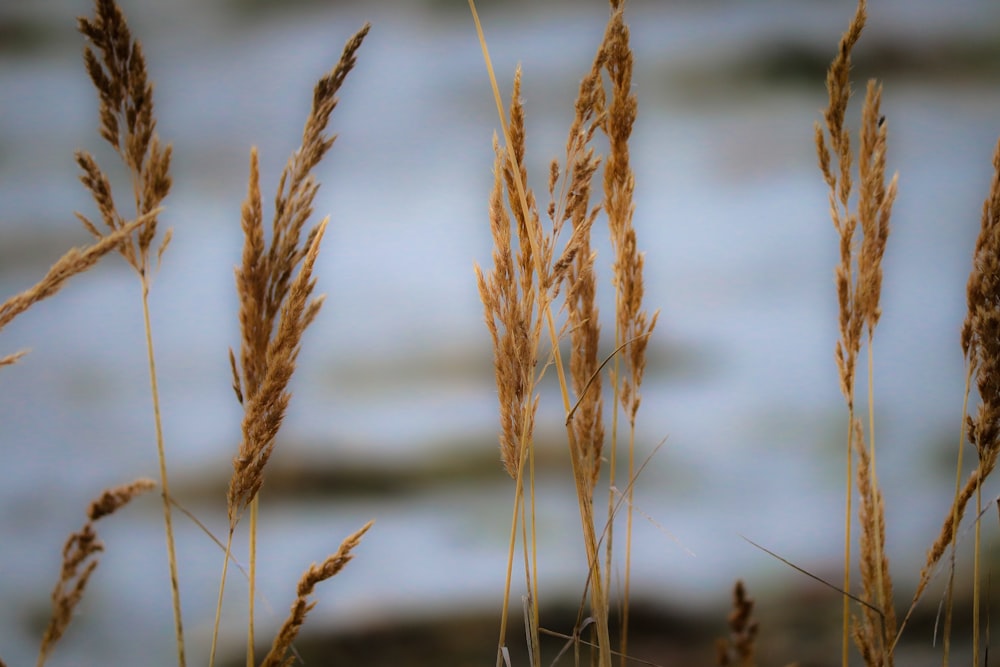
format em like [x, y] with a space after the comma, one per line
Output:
[633, 326]
[858, 281]
[80, 561]
[128, 124]
[981, 346]
[518, 294]
[737, 650]
[276, 308]
[302, 606]
[74, 262]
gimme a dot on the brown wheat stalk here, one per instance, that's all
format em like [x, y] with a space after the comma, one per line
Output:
[519, 292]
[276, 307]
[73, 262]
[302, 606]
[980, 333]
[858, 281]
[80, 561]
[514, 313]
[981, 345]
[737, 650]
[117, 68]
[633, 325]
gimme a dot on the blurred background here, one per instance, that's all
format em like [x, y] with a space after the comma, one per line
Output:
[394, 415]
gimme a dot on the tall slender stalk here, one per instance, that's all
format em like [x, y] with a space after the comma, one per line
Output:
[128, 124]
[858, 282]
[275, 284]
[164, 484]
[518, 296]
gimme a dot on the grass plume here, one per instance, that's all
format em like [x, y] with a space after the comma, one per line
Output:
[981, 346]
[858, 282]
[80, 560]
[519, 293]
[314, 575]
[117, 68]
[74, 262]
[737, 650]
[275, 284]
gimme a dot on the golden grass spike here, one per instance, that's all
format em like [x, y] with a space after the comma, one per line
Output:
[858, 282]
[118, 72]
[737, 650]
[75, 261]
[265, 409]
[276, 307]
[981, 345]
[80, 561]
[510, 320]
[302, 606]
[632, 322]
[117, 68]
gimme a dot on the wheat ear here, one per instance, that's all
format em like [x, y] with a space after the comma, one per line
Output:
[302, 606]
[981, 345]
[74, 262]
[128, 124]
[276, 307]
[633, 325]
[858, 282]
[80, 561]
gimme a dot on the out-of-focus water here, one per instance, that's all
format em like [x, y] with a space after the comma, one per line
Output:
[731, 212]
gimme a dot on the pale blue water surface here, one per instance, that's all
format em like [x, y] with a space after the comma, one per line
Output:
[731, 212]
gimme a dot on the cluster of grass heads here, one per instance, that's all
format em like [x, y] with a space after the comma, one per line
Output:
[539, 293]
[274, 284]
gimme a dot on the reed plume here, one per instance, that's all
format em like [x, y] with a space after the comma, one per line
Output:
[981, 346]
[80, 560]
[276, 307]
[73, 262]
[515, 296]
[858, 282]
[302, 606]
[633, 325]
[511, 307]
[737, 650]
[529, 274]
[117, 68]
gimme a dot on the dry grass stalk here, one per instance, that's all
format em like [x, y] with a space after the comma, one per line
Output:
[981, 345]
[302, 606]
[509, 304]
[75, 261]
[117, 68]
[80, 561]
[128, 123]
[980, 333]
[858, 281]
[518, 293]
[276, 307]
[633, 325]
[578, 275]
[738, 649]
[874, 636]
